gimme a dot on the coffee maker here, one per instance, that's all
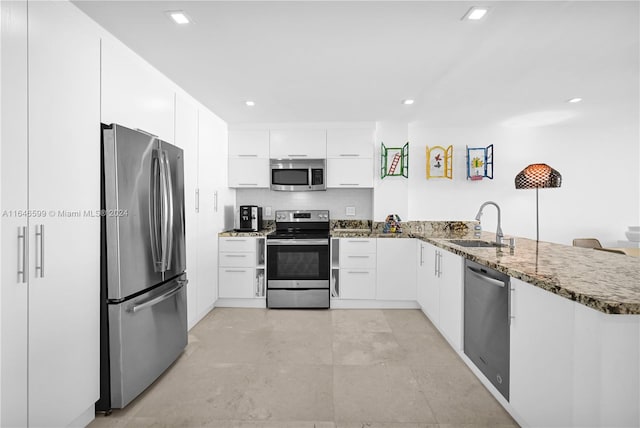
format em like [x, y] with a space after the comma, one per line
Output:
[250, 218]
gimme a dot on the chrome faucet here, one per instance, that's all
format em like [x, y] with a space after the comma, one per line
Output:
[499, 234]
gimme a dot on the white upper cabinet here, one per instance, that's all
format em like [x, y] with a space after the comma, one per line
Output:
[298, 144]
[134, 94]
[248, 173]
[346, 173]
[350, 143]
[248, 159]
[253, 144]
[350, 158]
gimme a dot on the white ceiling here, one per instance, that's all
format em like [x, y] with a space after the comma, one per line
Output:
[310, 61]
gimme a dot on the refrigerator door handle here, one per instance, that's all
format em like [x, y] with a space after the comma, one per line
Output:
[155, 213]
[169, 183]
[167, 238]
[155, 300]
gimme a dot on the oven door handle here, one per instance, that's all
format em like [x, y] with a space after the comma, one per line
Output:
[298, 242]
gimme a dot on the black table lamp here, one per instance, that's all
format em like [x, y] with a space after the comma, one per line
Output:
[536, 176]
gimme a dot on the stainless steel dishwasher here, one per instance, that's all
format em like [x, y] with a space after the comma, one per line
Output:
[486, 323]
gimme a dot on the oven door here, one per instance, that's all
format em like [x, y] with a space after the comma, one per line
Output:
[297, 263]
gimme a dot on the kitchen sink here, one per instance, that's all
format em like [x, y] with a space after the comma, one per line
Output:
[474, 243]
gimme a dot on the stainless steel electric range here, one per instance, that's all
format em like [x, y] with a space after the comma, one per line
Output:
[298, 268]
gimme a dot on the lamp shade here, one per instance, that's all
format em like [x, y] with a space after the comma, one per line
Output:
[538, 175]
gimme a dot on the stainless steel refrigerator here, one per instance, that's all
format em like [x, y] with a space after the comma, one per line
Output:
[143, 290]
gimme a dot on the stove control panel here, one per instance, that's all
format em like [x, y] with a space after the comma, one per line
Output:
[300, 216]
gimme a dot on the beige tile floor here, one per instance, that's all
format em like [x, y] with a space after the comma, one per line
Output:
[257, 368]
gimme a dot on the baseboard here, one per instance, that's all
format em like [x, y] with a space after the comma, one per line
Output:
[85, 418]
[373, 304]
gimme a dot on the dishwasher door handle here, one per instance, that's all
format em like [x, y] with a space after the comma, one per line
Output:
[485, 278]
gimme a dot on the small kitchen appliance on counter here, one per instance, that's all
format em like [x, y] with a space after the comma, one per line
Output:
[250, 219]
[298, 260]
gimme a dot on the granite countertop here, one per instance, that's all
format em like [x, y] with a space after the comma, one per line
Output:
[606, 282]
[234, 234]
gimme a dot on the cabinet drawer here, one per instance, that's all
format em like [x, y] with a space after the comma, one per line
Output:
[245, 245]
[355, 260]
[357, 245]
[237, 259]
[357, 284]
[236, 283]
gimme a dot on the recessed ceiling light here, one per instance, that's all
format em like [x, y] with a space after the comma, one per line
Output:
[574, 100]
[407, 102]
[250, 103]
[475, 13]
[178, 16]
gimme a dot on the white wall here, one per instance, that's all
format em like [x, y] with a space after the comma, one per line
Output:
[599, 197]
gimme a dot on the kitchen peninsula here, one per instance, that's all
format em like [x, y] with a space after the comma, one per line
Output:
[574, 315]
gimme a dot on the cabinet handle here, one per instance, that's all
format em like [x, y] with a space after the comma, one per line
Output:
[358, 257]
[435, 263]
[358, 271]
[22, 251]
[235, 255]
[349, 184]
[510, 307]
[40, 240]
[247, 156]
[247, 184]
[235, 270]
[215, 201]
[354, 241]
[237, 240]
[421, 255]
[297, 156]
[197, 200]
[439, 264]
[350, 155]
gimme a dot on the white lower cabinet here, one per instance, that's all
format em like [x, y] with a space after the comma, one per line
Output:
[241, 271]
[440, 287]
[357, 268]
[450, 297]
[541, 356]
[396, 265]
[572, 366]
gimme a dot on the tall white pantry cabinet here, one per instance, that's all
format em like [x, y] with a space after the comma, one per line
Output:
[50, 171]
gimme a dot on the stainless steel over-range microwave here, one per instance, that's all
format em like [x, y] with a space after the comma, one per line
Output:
[298, 175]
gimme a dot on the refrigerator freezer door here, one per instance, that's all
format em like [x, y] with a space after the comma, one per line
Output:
[131, 182]
[175, 255]
[146, 335]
